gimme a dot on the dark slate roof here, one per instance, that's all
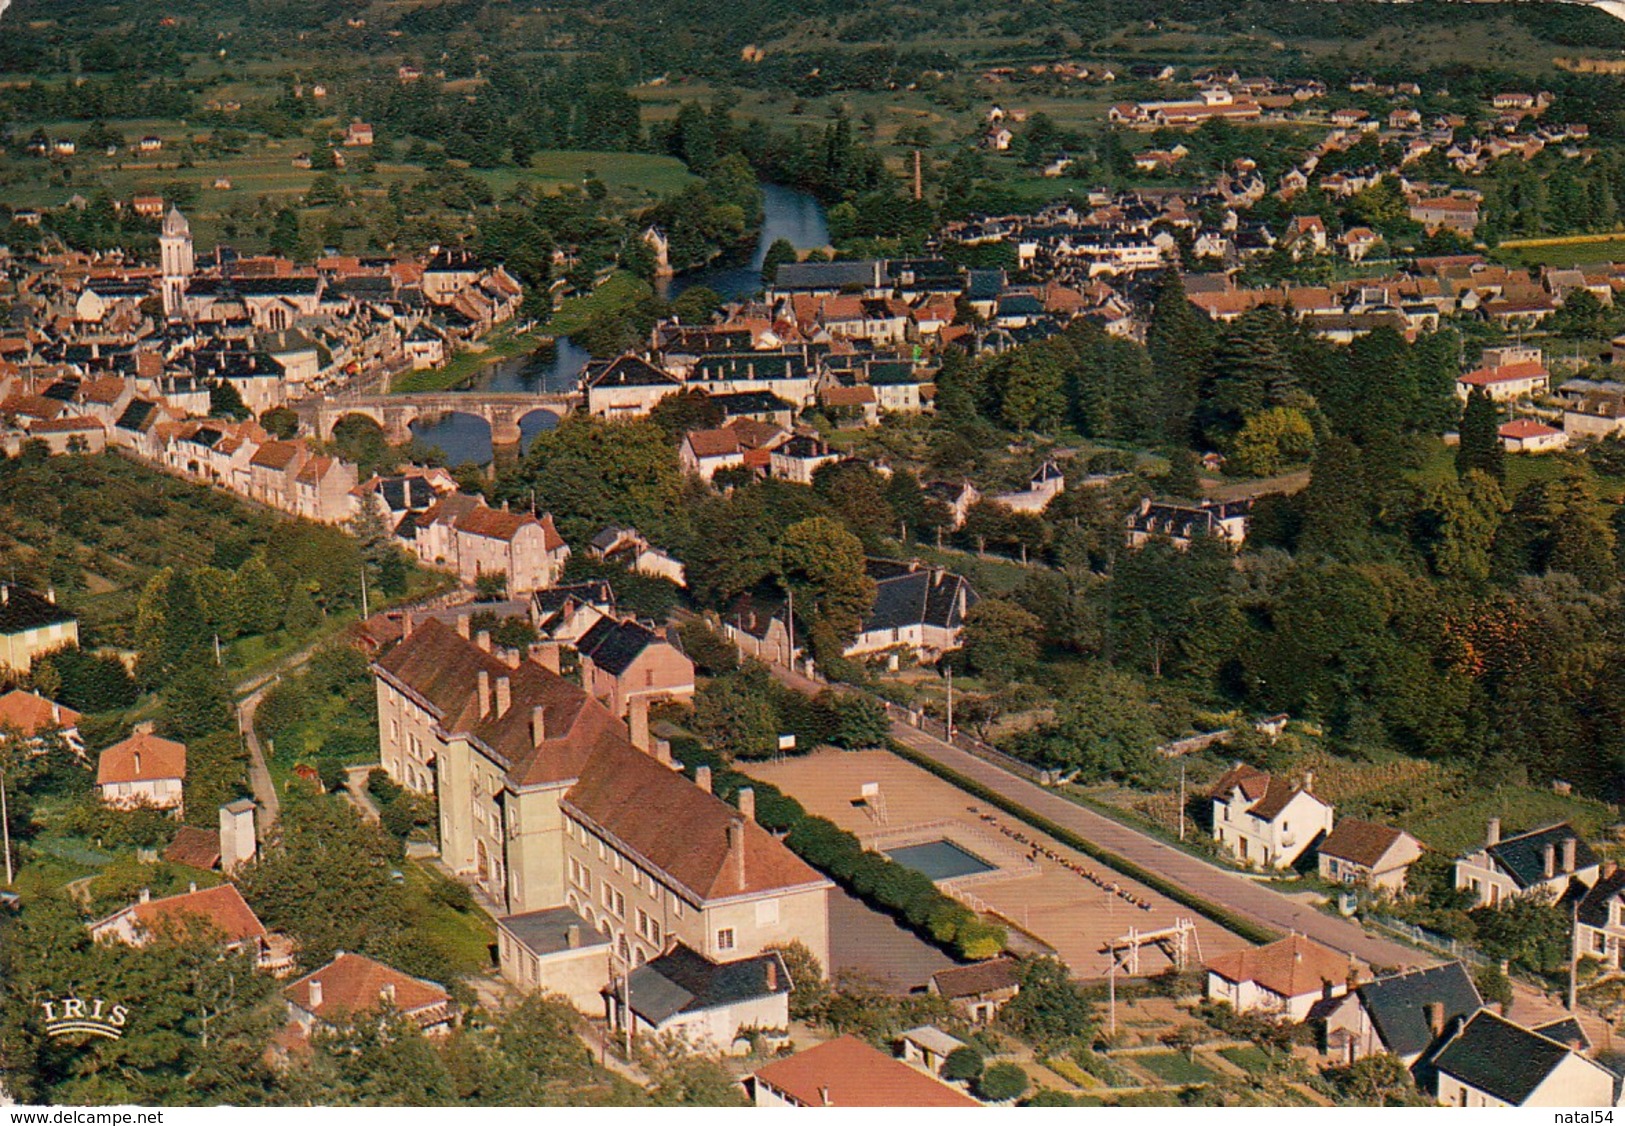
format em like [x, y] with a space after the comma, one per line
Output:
[1594, 907]
[595, 592]
[137, 415]
[906, 598]
[406, 493]
[1524, 857]
[743, 365]
[1395, 1004]
[984, 285]
[1500, 1058]
[22, 609]
[275, 287]
[683, 981]
[740, 403]
[1565, 1030]
[548, 931]
[826, 275]
[613, 645]
[627, 371]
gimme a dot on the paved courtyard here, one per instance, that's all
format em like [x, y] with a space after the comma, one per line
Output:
[1067, 901]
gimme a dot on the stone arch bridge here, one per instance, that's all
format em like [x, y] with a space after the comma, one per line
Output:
[502, 411]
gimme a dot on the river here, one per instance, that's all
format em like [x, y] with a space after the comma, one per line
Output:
[786, 213]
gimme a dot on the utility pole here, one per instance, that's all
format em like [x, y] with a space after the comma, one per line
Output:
[1111, 985]
[919, 192]
[790, 622]
[1574, 953]
[1181, 799]
[950, 703]
[217, 649]
[364, 614]
[5, 828]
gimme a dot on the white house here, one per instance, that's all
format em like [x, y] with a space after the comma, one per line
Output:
[1372, 855]
[1492, 1061]
[1539, 862]
[703, 1002]
[143, 770]
[1283, 979]
[1266, 821]
[1528, 436]
[1600, 929]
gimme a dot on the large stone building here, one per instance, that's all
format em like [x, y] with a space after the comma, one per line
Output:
[546, 802]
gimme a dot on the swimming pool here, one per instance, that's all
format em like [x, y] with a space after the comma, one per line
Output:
[940, 860]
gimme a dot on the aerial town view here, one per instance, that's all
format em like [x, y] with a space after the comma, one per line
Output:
[666, 553]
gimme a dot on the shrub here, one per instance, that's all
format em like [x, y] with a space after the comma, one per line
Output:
[963, 1064]
[332, 774]
[1002, 1082]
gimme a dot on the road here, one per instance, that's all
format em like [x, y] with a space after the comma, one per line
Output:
[259, 775]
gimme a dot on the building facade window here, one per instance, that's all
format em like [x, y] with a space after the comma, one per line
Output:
[725, 938]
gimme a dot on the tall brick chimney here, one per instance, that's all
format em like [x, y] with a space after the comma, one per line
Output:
[1492, 835]
[747, 801]
[485, 693]
[504, 695]
[463, 626]
[1548, 860]
[483, 639]
[1568, 854]
[538, 725]
[638, 720]
[702, 778]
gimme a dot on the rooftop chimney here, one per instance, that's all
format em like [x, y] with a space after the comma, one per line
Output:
[462, 626]
[572, 936]
[736, 847]
[315, 994]
[663, 751]
[145, 896]
[483, 639]
[406, 625]
[546, 654]
[747, 801]
[1434, 1012]
[638, 720]
[1309, 781]
[485, 693]
[538, 725]
[5, 594]
[1609, 868]
[1548, 860]
[1568, 854]
[50, 595]
[1492, 835]
[702, 778]
[504, 695]
[772, 975]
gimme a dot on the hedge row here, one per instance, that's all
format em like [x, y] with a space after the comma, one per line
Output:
[908, 895]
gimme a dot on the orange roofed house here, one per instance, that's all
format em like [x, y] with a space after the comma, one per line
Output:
[352, 985]
[848, 1072]
[32, 717]
[527, 550]
[143, 770]
[222, 910]
[546, 802]
[1285, 978]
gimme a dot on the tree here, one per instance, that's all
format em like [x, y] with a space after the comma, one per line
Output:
[1459, 521]
[1104, 729]
[257, 601]
[859, 720]
[1000, 638]
[1480, 447]
[822, 564]
[1003, 1082]
[1051, 1011]
[963, 1065]
[782, 252]
[1270, 441]
[197, 702]
[808, 987]
[1376, 1080]
[226, 402]
[1178, 339]
[1581, 315]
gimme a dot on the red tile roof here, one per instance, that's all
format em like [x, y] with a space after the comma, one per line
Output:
[1360, 842]
[1506, 373]
[697, 839]
[847, 1072]
[353, 983]
[222, 908]
[275, 455]
[194, 847]
[1524, 428]
[159, 758]
[31, 714]
[1292, 967]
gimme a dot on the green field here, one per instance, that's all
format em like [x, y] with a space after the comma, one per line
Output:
[1174, 1067]
[1252, 1059]
[1579, 252]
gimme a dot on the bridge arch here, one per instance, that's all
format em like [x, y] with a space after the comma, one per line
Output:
[462, 435]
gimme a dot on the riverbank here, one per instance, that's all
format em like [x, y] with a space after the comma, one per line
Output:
[503, 343]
